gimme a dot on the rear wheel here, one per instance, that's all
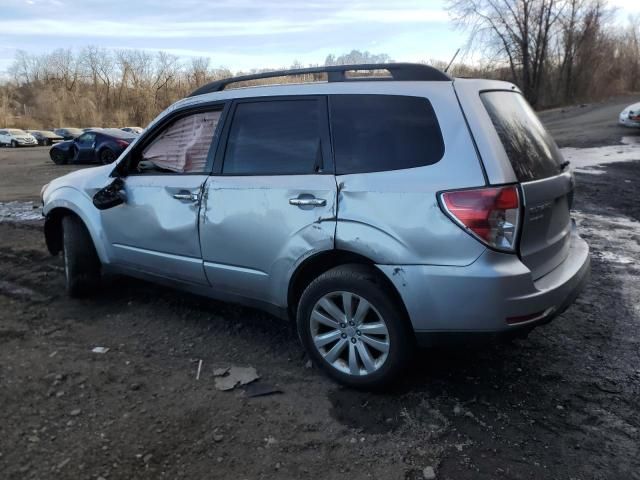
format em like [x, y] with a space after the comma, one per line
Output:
[107, 156]
[81, 262]
[353, 328]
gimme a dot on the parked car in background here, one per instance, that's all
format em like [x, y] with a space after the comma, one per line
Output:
[136, 130]
[90, 129]
[100, 146]
[415, 208]
[68, 133]
[45, 137]
[630, 116]
[14, 137]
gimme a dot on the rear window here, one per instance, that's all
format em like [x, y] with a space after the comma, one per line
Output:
[373, 133]
[531, 150]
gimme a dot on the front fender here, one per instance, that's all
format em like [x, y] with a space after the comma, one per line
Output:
[69, 198]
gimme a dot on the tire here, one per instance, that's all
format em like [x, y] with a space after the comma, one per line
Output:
[107, 156]
[14, 144]
[81, 262]
[359, 283]
[58, 157]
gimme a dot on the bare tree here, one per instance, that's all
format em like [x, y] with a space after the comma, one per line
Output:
[518, 30]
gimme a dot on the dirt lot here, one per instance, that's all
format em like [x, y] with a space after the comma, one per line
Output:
[562, 403]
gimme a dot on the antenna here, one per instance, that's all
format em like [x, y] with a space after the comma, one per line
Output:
[454, 57]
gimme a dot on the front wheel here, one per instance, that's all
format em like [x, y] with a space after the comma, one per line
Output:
[353, 329]
[81, 262]
[14, 144]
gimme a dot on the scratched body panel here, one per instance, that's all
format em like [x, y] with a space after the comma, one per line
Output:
[252, 237]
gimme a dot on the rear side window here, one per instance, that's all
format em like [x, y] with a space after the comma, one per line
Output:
[275, 137]
[373, 133]
[531, 150]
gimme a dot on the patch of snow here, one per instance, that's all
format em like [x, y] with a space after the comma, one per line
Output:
[612, 238]
[581, 158]
[631, 140]
[592, 171]
[19, 211]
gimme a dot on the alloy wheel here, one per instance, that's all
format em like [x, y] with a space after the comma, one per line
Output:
[107, 156]
[349, 333]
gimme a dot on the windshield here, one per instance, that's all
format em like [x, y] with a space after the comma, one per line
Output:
[15, 131]
[531, 150]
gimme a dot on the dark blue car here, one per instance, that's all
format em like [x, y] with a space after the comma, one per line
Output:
[100, 146]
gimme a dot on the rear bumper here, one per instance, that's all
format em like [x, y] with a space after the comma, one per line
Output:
[480, 298]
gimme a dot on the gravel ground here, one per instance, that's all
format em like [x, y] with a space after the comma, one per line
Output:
[562, 403]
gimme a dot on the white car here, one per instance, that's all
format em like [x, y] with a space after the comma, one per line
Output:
[13, 137]
[630, 116]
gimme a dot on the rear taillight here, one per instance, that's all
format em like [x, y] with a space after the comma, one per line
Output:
[122, 143]
[490, 214]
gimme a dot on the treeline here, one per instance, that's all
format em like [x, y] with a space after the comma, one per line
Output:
[557, 51]
[101, 87]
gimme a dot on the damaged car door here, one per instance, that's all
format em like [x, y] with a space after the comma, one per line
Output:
[272, 199]
[155, 230]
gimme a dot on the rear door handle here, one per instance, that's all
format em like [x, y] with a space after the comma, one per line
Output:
[188, 196]
[308, 202]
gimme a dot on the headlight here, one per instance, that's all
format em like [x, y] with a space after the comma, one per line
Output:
[44, 187]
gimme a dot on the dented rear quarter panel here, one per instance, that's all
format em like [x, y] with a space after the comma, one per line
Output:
[393, 217]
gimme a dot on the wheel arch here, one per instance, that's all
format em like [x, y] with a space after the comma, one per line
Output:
[57, 208]
[324, 261]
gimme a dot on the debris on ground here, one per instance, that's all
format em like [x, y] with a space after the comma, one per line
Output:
[429, 473]
[259, 389]
[236, 376]
[100, 349]
[199, 369]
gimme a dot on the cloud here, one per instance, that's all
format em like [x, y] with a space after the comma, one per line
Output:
[231, 20]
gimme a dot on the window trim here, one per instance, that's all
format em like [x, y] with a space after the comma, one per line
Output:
[325, 137]
[148, 136]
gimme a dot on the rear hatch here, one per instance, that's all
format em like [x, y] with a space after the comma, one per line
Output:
[546, 183]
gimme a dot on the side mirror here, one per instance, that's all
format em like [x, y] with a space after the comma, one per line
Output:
[110, 196]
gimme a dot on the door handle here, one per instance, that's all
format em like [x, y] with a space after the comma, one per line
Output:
[308, 202]
[191, 197]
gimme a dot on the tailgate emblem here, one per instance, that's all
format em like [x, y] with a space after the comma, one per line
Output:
[537, 212]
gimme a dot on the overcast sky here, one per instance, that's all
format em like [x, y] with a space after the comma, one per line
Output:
[238, 34]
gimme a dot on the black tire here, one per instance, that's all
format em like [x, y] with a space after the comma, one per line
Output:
[58, 157]
[107, 156]
[14, 144]
[81, 262]
[366, 283]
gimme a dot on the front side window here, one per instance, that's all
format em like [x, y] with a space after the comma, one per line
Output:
[86, 139]
[183, 146]
[275, 137]
[373, 133]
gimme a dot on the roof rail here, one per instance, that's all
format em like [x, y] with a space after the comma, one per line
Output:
[337, 73]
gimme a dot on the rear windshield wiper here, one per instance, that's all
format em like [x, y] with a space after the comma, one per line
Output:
[564, 165]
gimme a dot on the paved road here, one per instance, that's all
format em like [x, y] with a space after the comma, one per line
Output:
[592, 125]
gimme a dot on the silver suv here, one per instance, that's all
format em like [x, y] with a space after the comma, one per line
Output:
[378, 212]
